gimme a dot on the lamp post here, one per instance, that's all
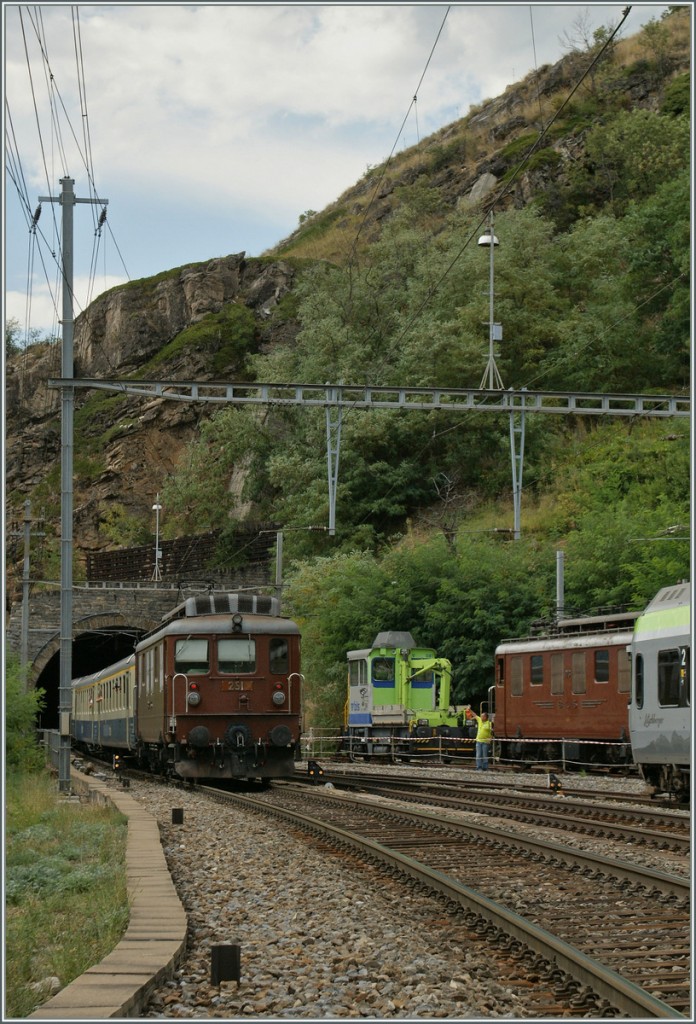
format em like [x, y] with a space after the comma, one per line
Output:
[492, 381]
[157, 508]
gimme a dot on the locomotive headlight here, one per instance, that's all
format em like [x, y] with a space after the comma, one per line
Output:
[278, 696]
[193, 697]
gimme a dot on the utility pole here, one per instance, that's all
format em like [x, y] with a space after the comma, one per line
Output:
[67, 200]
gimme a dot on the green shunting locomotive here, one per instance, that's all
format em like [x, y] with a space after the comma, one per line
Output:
[399, 703]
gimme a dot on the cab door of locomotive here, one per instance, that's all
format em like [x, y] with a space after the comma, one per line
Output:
[149, 693]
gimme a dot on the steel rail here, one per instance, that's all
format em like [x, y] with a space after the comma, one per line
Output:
[385, 397]
[606, 983]
[671, 885]
[546, 809]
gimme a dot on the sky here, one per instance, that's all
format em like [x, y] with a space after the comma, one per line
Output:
[210, 129]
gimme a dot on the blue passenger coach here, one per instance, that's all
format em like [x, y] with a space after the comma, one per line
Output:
[103, 708]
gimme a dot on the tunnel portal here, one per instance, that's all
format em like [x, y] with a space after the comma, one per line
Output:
[92, 650]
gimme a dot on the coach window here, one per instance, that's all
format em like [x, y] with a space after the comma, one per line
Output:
[383, 672]
[516, 682]
[601, 666]
[278, 656]
[668, 677]
[237, 655]
[192, 657]
[536, 669]
[577, 669]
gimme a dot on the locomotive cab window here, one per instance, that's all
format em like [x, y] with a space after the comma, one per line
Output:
[536, 669]
[383, 671]
[601, 666]
[357, 672]
[278, 656]
[237, 655]
[192, 657]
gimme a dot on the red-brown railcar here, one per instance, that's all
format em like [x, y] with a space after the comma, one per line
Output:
[218, 690]
[565, 695]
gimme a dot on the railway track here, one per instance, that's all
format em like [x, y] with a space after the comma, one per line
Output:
[637, 823]
[584, 934]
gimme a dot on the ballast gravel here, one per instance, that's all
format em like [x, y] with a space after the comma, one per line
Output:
[321, 936]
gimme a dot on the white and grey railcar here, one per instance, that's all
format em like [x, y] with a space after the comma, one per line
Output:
[660, 708]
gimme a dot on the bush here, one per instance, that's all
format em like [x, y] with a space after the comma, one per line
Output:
[21, 709]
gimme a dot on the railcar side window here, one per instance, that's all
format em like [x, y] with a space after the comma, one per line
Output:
[640, 681]
[516, 682]
[601, 666]
[668, 676]
[579, 684]
[192, 657]
[383, 671]
[237, 655]
[536, 669]
[557, 673]
[278, 656]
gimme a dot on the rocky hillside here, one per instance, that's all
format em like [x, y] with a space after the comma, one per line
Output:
[204, 321]
[179, 325]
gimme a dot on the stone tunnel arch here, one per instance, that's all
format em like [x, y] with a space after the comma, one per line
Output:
[98, 640]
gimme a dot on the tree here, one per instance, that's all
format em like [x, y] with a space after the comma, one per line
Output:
[12, 332]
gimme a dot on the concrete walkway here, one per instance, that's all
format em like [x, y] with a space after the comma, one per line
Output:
[155, 939]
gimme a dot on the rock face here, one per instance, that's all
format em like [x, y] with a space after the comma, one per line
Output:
[117, 336]
[127, 326]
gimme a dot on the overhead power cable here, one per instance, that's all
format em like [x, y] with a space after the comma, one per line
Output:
[396, 142]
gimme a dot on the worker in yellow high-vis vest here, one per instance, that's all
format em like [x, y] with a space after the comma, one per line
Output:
[484, 735]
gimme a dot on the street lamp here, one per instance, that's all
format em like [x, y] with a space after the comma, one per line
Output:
[491, 380]
[157, 508]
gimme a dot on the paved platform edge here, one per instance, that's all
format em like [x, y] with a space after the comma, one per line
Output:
[121, 984]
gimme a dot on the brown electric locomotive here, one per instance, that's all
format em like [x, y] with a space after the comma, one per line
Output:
[214, 692]
[218, 689]
[564, 696]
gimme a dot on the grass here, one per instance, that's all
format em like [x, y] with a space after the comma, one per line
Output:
[66, 902]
